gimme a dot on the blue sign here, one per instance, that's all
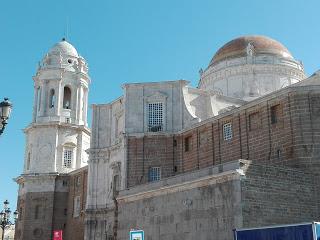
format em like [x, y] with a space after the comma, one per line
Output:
[137, 235]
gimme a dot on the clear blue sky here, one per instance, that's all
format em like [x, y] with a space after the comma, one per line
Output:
[133, 41]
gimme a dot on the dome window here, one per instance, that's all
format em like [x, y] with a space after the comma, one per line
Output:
[70, 61]
[66, 98]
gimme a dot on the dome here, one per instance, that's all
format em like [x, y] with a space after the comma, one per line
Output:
[258, 44]
[64, 48]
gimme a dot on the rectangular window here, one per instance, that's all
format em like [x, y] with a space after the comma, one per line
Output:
[275, 113]
[254, 121]
[67, 158]
[77, 181]
[154, 174]
[28, 161]
[187, 144]
[76, 206]
[155, 117]
[115, 185]
[227, 131]
[65, 183]
[37, 212]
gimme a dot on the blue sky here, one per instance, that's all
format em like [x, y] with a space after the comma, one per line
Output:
[133, 41]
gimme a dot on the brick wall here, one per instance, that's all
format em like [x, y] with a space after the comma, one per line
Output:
[74, 229]
[282, 129]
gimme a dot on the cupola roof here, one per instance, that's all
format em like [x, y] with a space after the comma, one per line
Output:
[64, 48]
[260, 45]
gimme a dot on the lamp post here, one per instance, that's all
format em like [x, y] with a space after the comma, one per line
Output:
[5, 110]
[5, 217]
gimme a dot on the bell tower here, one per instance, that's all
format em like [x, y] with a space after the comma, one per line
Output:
[58, 135]
[56, 140]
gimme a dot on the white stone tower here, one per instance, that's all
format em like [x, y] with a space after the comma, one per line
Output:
[58, 136]
[56, 141]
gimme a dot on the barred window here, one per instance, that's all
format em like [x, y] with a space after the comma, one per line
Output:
[155, 117]
[154, 174]
[67, 158]
[227, 131]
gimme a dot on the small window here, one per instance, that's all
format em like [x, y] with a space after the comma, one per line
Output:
[65, 212]
[28, 161]
[254, 121]
[187, 144]
[67, 158]
[76, 206]
[66, 98]
[37, 212]
[155, 117]
[115, 185]
[65, 183]
[227, 131]
[154, 174]
[279, 154]
[38, 98]
[70, 61]
[52, 99]
[275, 113]
[77, 181]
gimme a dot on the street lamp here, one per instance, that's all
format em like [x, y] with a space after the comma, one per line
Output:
[5, 217]
[5, 110]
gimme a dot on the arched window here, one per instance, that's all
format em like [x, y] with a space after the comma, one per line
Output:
[38, 98]
[52, 99]
[66, 98]
[28, 160]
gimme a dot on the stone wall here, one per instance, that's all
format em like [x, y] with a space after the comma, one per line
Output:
[210, 203]
[42, 212]
[200, 205]
[37, 213]
[278, 195]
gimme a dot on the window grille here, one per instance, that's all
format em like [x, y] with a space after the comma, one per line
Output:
[67, 158]
[155, 117]
[227, 131]
[154, 174]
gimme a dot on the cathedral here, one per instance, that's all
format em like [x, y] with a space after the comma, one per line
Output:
[242, 149]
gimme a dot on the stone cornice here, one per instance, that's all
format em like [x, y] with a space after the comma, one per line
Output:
[187, 185]
[59, 125]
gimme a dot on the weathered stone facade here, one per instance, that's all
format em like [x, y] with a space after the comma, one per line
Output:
[182, 162]
[209, 203]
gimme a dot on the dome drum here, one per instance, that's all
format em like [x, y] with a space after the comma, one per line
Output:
[251, 66]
